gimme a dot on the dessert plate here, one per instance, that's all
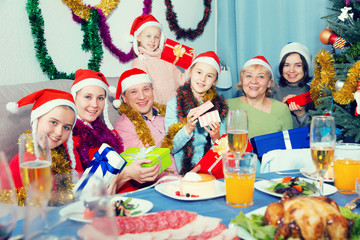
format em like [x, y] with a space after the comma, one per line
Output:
[311, 173]
[169, 189]
[264, 184]
[242, 232]
[75, 211]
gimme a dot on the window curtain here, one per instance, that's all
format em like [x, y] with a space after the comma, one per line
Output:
[247, 28]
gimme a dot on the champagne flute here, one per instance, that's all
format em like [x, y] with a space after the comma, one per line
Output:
[8, 201]
[322, 145]
[35, 160]
[237, 130]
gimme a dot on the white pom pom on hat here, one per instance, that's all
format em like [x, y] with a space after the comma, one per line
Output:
[12, 107]
[128, 79]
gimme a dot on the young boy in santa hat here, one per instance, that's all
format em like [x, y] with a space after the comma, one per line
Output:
[90, 91]
[148, 42]
[188, 141]
[53, 114]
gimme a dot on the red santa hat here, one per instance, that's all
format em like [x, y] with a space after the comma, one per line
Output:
[139, 24]
[259, 60]
[209, 57]
[85, 77]
[44, 101]
[128, 79]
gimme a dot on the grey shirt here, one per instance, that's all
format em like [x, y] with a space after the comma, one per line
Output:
[280, 92]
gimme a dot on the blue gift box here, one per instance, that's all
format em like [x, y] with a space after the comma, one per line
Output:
[291, 139]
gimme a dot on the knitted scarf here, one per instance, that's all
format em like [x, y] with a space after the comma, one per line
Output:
[186, 101]
[137, 119]
[94, 137]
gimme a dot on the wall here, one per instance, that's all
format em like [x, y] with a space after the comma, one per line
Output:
[18, 63]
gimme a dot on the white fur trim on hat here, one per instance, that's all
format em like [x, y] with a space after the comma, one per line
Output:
[147, 24]
[136, 48]
[48, 106]
[296, 48]
[256, 61]
[134, 80]
[88, 82]
[209, 60]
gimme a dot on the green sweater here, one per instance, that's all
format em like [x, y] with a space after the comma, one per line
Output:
[259, 122]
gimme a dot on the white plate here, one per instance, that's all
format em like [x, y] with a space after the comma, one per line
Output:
[169, 189]
[264, 184]
[242, 232]
[75, 211]
[311, 173]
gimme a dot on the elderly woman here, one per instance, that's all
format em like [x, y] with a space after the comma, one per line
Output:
[265, 115]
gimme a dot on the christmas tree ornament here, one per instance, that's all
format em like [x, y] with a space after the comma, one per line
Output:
[357, 99]
[345, 14]
[328, 36]
[339, 84]
[325, 35]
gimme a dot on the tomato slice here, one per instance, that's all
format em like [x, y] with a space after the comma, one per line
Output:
[286, 179]
[89, 214]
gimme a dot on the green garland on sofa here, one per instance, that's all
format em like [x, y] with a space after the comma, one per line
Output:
[91, 42]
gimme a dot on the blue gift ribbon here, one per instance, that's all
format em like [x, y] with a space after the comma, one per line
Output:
[100, 160]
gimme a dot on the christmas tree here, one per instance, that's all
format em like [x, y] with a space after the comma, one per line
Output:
[335, 88]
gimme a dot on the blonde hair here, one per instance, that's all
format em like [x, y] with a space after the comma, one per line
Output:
[256, 66]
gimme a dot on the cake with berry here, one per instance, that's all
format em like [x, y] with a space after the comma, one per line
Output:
[197, 184]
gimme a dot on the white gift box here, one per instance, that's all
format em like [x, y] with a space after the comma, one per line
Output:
[106, 164]
[209, 117]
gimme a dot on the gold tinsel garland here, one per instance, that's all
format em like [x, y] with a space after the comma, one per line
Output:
[60, 165]
[346, 94]
[142, 129]
[83, 11]
[324, 74]
[175, 128]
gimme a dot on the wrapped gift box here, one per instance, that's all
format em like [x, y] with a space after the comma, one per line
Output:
[209, 117]
[301, 99]
[157, 155]
[177, 54]
[292, 139]
[211, 162]
[106, 164]
[203, 108]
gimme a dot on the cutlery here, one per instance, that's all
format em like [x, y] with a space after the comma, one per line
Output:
[351, 205]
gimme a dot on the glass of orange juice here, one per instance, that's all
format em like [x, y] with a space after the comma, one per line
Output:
[346, 166]
[239, 172]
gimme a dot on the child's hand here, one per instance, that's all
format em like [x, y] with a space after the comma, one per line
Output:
[191, 121]
[214, 130]
[143, 174]
[196, 168]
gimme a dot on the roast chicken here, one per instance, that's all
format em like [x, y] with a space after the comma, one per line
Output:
[308, 218]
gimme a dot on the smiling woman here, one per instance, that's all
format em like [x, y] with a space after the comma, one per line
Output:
[265, 115]
[90, 90]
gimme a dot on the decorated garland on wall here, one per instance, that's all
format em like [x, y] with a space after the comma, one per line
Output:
[82, 11]
[189, 33]
[105, 30]
[90, 42]
[324, 77]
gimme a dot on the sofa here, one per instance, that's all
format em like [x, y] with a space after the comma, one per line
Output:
[12, 125]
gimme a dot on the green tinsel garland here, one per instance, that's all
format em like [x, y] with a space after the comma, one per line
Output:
[91, 42]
